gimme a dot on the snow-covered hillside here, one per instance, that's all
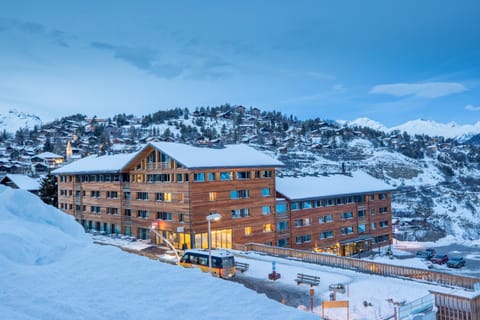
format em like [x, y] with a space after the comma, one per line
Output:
[420, 127]
[12, 120]
[52, 270]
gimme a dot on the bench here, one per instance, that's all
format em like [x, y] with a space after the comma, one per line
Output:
[242, 267]
[305, 278]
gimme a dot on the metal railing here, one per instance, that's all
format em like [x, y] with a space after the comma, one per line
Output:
[365, 266]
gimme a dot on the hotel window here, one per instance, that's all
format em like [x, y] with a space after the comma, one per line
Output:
[112, 194]
[248, 231]
[226, 175]
[362, 228]
[143, 214]
[360, 199]
[295, 206]
[112, 210]
[95, 194]
[239, 194]
[383, 210]
[302, 222]
[329, 202]
[304, 238]
[212, 196]
[181, 217]
[95, 209]
[346, 215]
[167, 216]
[325, 219]
[266, 192]
[199, 177]
[383, 224]
[372, 211]
[179, 177]
[349, 199]
[282, 226]
[267, 227]
[371, 197]
[240, 213]
[282, 243]
[346, 230]
[139, 178]
[382, 196]
[326, 234]
[307, 205]
[266, 210]
[281, 209]
[142, 195]
[362, 213]
[128, 212]
[70, 193]
[243, 175]
[373, 225]
[211, 176]
[339, 201]
[257, 174]
[267, 173]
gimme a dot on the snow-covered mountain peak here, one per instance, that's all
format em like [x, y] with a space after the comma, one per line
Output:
[364, 122]
[432, 128]
[12, 120]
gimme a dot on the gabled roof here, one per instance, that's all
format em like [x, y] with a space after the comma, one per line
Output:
[230, 156]
[97, 164]
[23, 182]
[327, 186]
[47, 155]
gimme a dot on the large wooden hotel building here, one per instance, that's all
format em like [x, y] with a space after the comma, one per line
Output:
[172, 188]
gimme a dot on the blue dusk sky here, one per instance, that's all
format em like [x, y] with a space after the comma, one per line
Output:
[391, 61]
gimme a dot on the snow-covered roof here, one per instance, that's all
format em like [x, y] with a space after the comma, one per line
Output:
[97, 164]
[235, 155]
[23, 182]
[48, 155]
[326, 186]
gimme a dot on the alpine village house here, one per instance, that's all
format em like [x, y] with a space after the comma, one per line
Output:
[173, 187]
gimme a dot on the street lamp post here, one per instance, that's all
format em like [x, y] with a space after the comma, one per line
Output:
[211, 217]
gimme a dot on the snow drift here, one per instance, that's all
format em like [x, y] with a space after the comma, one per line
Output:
[52, 270]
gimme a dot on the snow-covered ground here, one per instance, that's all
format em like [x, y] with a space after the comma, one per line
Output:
[50, 269]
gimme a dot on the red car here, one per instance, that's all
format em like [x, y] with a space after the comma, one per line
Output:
[439, 259]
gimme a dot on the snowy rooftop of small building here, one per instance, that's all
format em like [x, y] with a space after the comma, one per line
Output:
[324, 186]
[238, 155]
[95, 163]
[23, 182]
[48, 155]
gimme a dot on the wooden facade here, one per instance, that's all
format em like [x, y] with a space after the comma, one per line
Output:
[457, 305]
[154, 189]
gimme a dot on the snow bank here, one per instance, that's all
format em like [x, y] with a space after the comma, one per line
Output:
[52, 270]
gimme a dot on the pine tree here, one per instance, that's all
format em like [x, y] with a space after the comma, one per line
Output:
[49, 190]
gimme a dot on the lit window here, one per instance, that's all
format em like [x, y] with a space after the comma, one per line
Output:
[212, 196]
[267, 227]
[248, 231]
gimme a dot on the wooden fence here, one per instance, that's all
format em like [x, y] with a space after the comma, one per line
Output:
[365, 266]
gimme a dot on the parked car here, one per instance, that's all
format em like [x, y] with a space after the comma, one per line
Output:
[456, 262]
[426, 254]
[439, 259]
